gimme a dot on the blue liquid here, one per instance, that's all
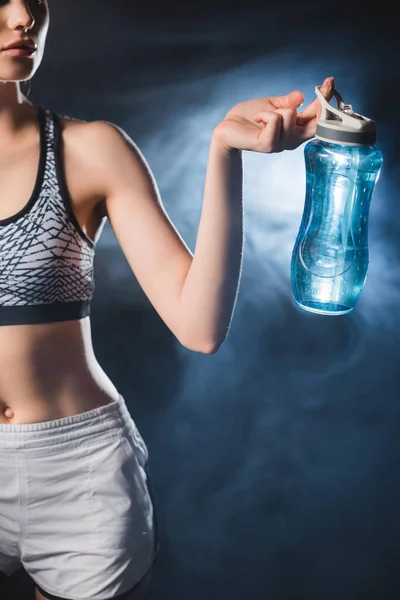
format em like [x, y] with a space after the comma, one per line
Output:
[330, 256]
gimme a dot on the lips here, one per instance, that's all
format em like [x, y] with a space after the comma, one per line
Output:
[20, 48]
[21, 45]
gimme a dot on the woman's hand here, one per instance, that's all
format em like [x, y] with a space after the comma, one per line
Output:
[271, 124]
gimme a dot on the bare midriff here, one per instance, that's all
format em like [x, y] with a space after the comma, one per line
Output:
[49, 371]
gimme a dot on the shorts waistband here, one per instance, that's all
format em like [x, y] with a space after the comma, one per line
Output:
[102, 423]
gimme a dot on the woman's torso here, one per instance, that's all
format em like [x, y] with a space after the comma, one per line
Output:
[49, 370]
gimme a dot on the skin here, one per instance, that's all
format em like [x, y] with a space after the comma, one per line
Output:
[49, 371]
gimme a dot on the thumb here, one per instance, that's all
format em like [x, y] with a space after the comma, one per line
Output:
[313, 110]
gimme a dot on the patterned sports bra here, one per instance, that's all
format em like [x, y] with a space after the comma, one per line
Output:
[46, 259]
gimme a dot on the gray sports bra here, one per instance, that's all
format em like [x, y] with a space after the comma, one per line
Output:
[46, 259]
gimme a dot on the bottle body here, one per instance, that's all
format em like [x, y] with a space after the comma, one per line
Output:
[330, 256]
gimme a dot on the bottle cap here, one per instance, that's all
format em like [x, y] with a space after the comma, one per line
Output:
[342, 125]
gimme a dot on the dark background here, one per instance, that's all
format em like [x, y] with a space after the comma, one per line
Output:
[275, 462]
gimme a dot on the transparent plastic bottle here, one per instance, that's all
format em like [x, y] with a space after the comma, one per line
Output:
[330, 256]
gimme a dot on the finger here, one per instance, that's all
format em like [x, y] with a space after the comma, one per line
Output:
[313, 110]
[288, 128]
[269, 138]
[292, 100]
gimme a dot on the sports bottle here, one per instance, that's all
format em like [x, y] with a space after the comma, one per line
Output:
[330, 256]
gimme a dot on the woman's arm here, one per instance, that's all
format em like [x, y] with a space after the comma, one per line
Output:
[194, 295]
[210, 289]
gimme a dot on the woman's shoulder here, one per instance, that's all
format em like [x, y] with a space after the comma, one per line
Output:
[95, 148]
[69, 122]
[78, 134]
[82, 142]
[88, 134]
[77, 123]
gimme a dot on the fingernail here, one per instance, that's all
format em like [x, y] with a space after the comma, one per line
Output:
[328, 81]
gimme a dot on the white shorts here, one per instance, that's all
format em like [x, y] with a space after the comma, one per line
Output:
[76, 505]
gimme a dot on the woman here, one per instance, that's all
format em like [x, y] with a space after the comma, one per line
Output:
[75, 502]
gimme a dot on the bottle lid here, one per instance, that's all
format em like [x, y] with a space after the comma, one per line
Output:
[342, 125]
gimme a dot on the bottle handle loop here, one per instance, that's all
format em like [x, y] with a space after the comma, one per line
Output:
[343, 112]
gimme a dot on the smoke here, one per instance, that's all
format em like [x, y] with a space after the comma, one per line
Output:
[273, 459]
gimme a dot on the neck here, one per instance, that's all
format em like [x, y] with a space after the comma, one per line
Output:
[15, 109]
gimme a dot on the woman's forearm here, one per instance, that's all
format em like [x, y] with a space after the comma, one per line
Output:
[210, 289]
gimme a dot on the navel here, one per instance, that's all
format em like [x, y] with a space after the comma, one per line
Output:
[8, 413]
